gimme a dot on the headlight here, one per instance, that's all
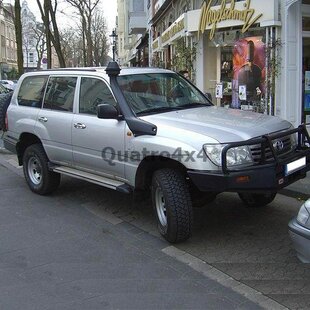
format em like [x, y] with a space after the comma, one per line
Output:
[304, 215]
[235, 156]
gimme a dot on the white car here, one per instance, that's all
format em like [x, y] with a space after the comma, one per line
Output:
[8, 84]
[299, 228]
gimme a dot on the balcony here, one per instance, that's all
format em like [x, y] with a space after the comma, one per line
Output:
[137, 22]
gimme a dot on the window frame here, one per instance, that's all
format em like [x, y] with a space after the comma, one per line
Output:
[44, 92]
[79, 84]
[74, 94]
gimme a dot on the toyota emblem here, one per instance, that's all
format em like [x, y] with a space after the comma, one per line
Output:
[278, 145]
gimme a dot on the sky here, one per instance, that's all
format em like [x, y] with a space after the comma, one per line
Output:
[109, 8]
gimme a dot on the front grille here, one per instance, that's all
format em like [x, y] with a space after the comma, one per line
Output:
[282, 146]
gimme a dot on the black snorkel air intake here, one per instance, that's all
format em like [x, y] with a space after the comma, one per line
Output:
[138, 126]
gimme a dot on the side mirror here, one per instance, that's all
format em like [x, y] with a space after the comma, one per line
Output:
[107, 111]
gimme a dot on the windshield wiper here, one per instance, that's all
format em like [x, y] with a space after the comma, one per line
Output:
[194, 105]
[160, 109]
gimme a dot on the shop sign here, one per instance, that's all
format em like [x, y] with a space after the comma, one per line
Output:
[211, 18]
[175, 28]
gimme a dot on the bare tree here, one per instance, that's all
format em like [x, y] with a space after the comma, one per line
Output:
[40, 43]
[101, 46]
[46, 22]
[86, 10]
[72, 47]
[48, 14]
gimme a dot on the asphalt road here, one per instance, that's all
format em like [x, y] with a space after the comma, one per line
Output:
[67, 261]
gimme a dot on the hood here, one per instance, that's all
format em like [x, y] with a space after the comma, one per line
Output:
[221, 124]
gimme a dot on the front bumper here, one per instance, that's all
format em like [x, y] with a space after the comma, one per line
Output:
[259, 178]
[267, 174]
[300, 237]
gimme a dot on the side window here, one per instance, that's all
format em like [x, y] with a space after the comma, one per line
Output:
[93, 92]
[31, 91]
[60, 93]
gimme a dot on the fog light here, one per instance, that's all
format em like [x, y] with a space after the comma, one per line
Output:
[243, 179]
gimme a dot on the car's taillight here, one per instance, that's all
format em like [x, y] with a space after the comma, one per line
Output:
[6, 127]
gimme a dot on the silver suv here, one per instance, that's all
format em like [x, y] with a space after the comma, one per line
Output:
[149, 130]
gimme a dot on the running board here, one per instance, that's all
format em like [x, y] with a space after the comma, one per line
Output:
[96, 179]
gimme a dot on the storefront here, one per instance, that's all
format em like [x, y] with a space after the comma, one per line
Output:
[232, 52]
[294, 103]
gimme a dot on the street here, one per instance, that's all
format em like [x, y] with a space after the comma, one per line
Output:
[90, 247]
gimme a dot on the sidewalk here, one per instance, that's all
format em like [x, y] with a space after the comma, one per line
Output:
[299, 189]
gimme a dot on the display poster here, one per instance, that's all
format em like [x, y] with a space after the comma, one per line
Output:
[219, 90]
[249, 70]
[307, 91]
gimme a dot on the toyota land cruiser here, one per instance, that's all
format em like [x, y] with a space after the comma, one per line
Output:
[147, 129]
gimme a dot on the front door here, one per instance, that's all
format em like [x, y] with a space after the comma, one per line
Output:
[98, 144]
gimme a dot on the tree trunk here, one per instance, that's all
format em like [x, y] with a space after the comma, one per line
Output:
[19, 38]
[89, 43]
[45, 19]
[84, 45]
[56, 37]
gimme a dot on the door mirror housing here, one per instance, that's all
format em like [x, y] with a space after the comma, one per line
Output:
[107, 111]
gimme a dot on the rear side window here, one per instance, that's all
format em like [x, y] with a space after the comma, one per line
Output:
[60, 93]
[31, 91]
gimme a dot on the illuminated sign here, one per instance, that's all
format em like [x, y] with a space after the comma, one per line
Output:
[209, 17]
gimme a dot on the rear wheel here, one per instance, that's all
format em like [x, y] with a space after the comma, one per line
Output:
[257, 200]
[35, 164]
[172, 205]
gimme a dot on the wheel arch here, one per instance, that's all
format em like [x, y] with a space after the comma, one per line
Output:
[26, 139]
[149, 165]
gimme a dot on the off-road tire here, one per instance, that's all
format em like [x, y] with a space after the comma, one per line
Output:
[38, 177]
[172, 186]
[4, 104]
[257, 200]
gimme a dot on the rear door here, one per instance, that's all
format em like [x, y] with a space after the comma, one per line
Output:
[54, 123]
[98, 144]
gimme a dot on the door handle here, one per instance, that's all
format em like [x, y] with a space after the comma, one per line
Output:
[79, 126]
[42, 119]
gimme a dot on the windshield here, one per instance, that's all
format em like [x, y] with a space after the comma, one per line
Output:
[159, 92]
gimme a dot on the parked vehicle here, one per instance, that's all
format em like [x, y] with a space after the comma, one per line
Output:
[299, 229]
[149, 130]
[8, 84]
[4, 90]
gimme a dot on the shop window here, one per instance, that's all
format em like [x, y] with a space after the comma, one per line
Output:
[242, 68]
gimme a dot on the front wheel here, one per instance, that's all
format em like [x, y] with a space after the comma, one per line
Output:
[39, 178]
[256, 200]
[172, 205]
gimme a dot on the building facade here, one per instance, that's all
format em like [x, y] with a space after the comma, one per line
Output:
[132, 33]
[8, 54]
[251, 54]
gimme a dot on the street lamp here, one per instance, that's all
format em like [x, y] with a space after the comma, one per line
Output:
[113, 36]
